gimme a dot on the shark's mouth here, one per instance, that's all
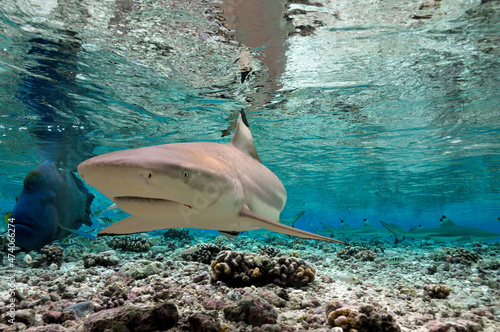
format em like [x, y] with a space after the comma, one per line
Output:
[148, 200]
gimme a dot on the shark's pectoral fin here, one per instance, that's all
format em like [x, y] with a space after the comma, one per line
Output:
[399, 232]
[132, 225]
[274, 226]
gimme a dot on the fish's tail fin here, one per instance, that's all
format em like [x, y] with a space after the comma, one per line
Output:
[90, 197]
[78, 232]
[398, 231]
[87, 220]
[291, 221]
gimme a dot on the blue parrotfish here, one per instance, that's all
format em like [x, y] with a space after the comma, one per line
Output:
[52, 205]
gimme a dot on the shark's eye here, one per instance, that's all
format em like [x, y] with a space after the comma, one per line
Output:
[184, 175]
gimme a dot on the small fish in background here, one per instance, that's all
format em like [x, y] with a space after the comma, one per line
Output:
[191, 250]
[347, 278]
[4, 226]
[52, 205]
[97, 213]
[395, 260]
[53, 267]
[101, 223]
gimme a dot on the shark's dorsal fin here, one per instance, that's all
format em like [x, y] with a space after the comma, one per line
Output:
[446, 222]
[366, 223]
[343, 224]
[242, 138]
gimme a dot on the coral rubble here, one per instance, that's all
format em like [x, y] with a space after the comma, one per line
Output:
[360, 253]
[205, 254]
[106, 258]
[252, 310]
[130, 243]
[162, 316]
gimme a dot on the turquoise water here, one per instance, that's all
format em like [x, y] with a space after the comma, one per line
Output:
[373, 119]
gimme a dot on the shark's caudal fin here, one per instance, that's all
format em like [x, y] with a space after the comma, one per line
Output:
[283, 229]
[242, 138]
[291, 221]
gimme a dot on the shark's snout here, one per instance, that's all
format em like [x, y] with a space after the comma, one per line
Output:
[123, 177]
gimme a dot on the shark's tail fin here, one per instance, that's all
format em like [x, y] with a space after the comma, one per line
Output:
[398, 231]
[291, 221]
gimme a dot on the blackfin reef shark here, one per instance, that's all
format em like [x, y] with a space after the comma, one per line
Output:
[365, 231]
[205, 185]
[53, 204]
[446, 231]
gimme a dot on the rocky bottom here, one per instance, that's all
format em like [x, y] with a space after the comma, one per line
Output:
[380, 286]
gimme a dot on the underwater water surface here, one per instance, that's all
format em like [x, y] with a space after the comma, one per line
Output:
[378, 114]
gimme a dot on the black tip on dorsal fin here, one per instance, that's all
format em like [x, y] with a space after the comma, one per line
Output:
[242, 138]
[244, 118]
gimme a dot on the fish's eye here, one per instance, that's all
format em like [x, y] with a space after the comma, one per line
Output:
[185, 175]
[30, 181]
